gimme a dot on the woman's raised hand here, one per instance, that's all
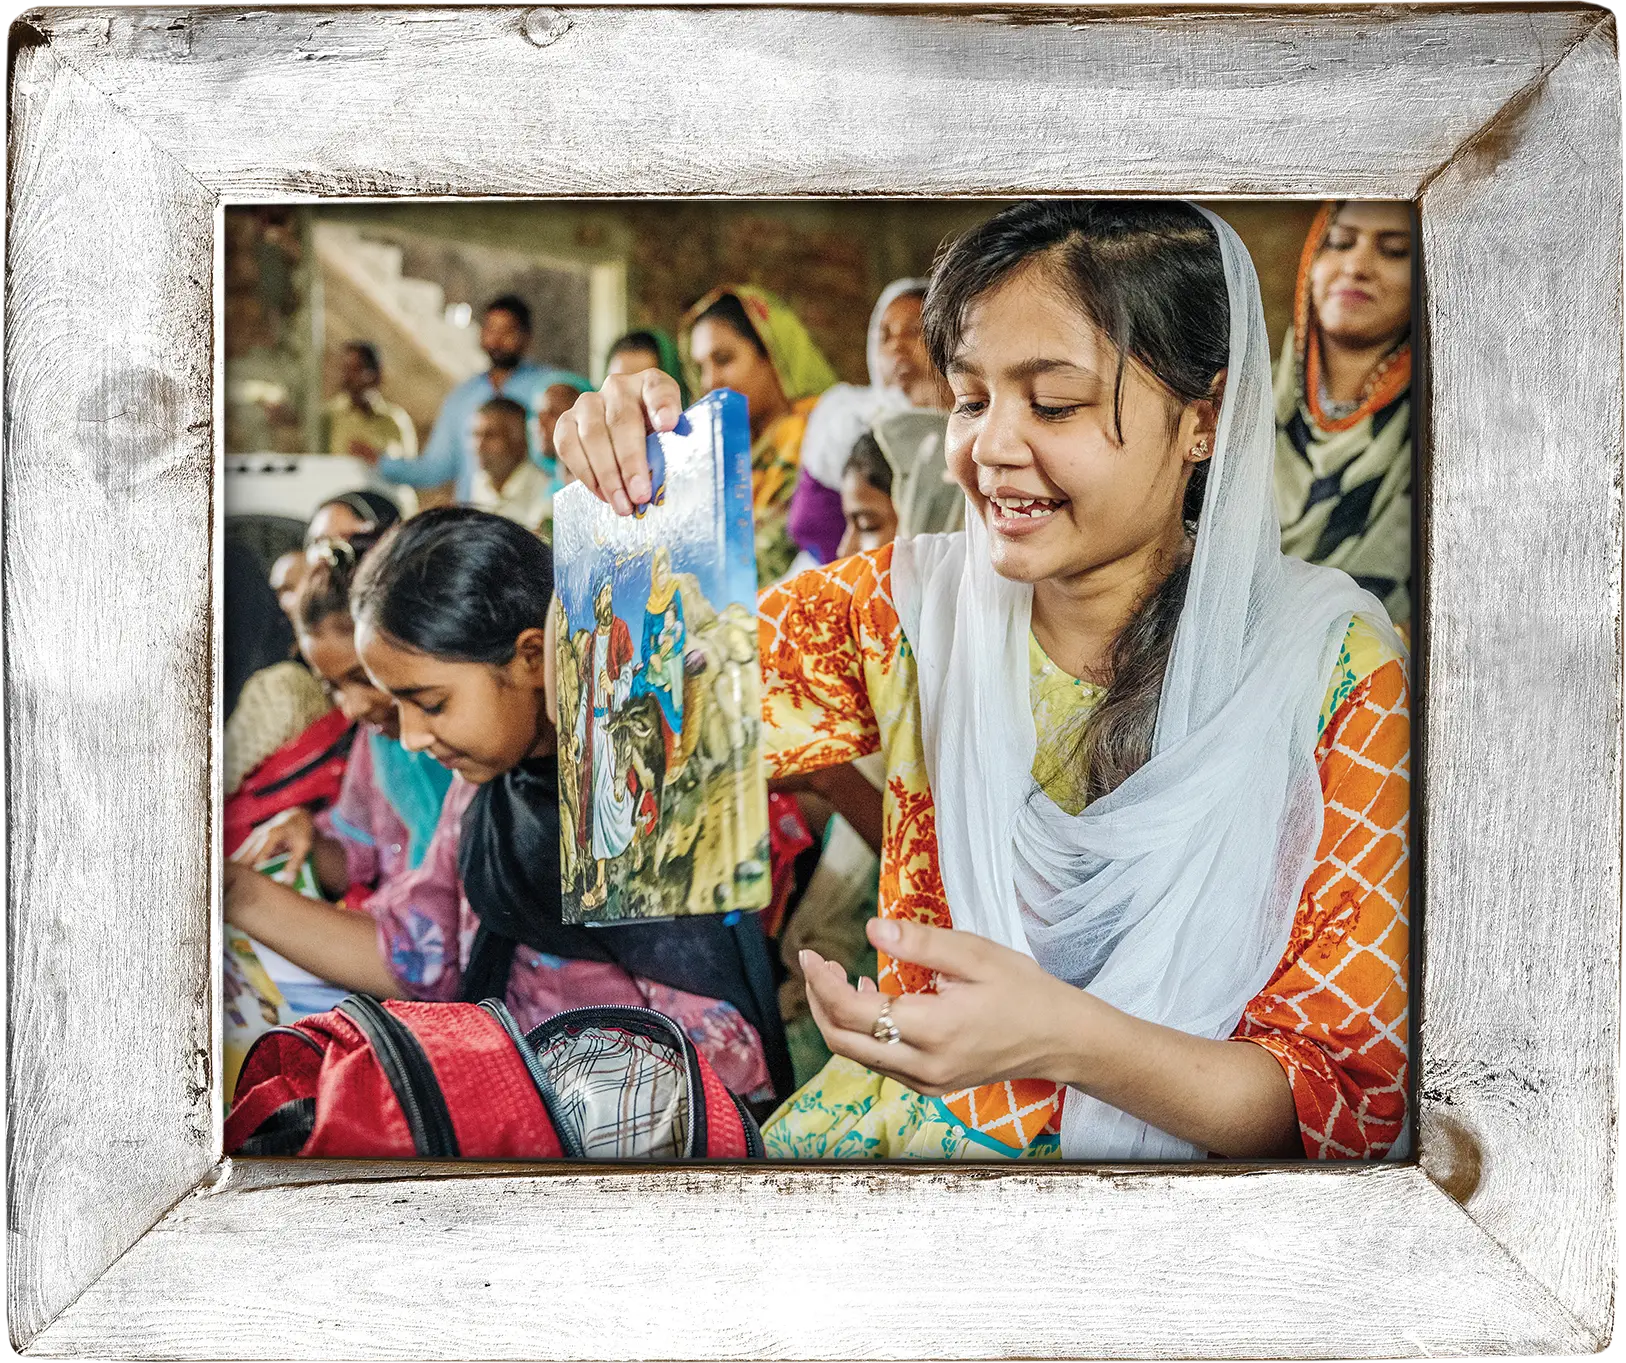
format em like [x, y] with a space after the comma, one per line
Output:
[601, 438]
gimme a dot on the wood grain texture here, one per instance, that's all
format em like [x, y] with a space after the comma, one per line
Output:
[127, 125]
[336, 102]
[1521, 938]
[107, 638]
[815, 1263]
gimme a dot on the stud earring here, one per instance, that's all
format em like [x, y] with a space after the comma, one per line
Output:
[1199, 451]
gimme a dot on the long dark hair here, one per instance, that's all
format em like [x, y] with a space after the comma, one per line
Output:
[455, 583]
[1151, 277]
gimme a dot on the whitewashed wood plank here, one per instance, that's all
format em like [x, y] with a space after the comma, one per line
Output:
[816, 1263]
[108, 681]
[1521, 1087]
[770, 101]
[1522, 249]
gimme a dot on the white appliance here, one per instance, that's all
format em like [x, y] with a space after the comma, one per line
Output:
[292, 486]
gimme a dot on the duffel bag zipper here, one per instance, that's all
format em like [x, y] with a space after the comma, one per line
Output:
[617, 1015]
[539, 1077]
[754, 1148]
[279, 1030]
[294, 1032]
[410, 1075]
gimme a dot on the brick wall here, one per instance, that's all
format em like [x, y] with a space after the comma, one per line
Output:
[827, 258]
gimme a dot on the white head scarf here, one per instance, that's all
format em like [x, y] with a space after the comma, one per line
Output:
[1172, 897]
[846, 411]
[924, 493]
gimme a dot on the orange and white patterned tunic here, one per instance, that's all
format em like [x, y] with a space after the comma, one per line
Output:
[839, 682]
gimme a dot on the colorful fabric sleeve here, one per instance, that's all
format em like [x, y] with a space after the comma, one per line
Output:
[419, 913]
[1335, 1016]
[822, 635]
[350, 820]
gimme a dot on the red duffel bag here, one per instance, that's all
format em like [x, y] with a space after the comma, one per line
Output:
[458, 1081]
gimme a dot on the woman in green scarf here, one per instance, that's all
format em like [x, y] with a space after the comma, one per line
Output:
[744, 338]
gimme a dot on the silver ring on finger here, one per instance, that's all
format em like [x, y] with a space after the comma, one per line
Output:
[885, 1029]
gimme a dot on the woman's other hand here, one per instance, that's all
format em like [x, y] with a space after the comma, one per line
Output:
[601, 438]
[996, 1013]
[291, 833]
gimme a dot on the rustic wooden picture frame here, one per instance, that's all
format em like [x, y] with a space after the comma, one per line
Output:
[130, 1237]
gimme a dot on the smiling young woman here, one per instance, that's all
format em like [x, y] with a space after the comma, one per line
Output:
[1143, 884]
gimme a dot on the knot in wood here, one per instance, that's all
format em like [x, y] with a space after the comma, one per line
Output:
[544, 25]
[1451, 1156]
[128, 424]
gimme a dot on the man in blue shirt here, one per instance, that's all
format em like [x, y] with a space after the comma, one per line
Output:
[449, 454]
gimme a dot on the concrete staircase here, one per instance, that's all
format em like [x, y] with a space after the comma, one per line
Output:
[414, 308]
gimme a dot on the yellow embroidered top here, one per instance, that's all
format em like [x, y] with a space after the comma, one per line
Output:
[839, 682]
